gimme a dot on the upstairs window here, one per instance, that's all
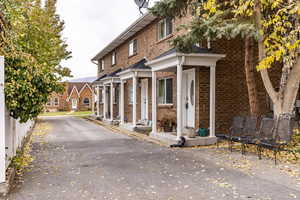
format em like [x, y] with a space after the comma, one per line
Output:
[113, 58]
[102, 65]
[133, 47]
[165, 28]
[165, 91]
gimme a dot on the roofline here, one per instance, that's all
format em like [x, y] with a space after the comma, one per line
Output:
[138, 25]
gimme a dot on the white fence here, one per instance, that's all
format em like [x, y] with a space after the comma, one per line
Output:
[12, 132]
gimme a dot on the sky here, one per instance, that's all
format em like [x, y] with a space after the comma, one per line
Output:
[89, 26]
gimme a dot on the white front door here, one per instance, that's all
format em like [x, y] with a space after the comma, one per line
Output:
[144, 99]
[188, 95]
[74, 104]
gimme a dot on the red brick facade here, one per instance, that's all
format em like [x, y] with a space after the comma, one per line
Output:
[231, 88]
[80, 92]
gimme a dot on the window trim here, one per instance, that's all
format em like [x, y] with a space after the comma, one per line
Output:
[102, 65]
[113, 58]
[134, 48]
[164, 103]
[165, 36]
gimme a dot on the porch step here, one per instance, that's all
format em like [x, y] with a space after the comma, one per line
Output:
[190, 142]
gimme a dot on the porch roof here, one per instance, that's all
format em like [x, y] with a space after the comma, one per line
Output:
[138, 69]
[196, 57]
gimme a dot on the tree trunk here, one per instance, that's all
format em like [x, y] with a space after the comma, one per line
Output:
[250, 77]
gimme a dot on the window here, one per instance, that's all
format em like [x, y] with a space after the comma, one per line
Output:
[86, 101]
[49, 102]
[116, 96]
[133, 47]
[165, 28]
[56, 102]
[113, 58]
[130, 93]
[165, 91]
[100, 97]
[102, 65]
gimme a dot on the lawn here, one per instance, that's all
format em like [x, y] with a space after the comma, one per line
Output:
[79, 113]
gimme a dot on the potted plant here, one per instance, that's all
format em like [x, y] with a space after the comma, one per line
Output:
[191, 133]
[168, 124]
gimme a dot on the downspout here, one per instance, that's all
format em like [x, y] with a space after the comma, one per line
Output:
[182, 140]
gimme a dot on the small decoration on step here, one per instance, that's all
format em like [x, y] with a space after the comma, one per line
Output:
[202, 132]
[191, 133]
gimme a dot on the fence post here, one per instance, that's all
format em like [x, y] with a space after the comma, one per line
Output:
[2, 122]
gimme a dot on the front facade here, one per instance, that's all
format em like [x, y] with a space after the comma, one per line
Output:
[139, 75]
[76, 97]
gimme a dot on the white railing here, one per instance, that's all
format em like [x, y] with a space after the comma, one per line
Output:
[12, 132]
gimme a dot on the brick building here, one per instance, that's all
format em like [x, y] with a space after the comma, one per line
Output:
[77, 96]
[139, 73]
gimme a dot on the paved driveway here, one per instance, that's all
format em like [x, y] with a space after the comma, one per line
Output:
[81, 160]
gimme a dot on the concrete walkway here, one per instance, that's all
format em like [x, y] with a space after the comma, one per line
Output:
[78, 159]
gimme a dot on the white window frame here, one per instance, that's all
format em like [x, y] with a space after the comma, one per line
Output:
[166, 22]
[132, 47]
[130, 93]
[165, 94]
[54, 102]
[114, 58]
[102, 64]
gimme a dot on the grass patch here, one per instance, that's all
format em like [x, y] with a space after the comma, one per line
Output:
[79, 113]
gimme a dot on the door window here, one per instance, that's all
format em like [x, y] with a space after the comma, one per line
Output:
[192, 93]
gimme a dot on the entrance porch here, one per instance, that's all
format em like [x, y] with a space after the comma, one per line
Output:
[138, 97]
[188, 106]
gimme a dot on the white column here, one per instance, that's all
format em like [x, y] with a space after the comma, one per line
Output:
[98, 101]
[212, 117]
[154, 104]
[179, 101]
[112, 91]
[122, 103]
[93, 100]
[104, 102]
[134, 84]
[2, 122]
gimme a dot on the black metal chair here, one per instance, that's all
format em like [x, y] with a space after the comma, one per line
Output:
[265, 133]
[236, 131]
[250, 133]
[278, 137]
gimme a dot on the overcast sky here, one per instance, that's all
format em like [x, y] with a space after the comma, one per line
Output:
[90, 26]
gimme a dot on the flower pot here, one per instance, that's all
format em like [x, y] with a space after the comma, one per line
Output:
[191, 132]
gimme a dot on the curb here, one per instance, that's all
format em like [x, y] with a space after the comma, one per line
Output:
[133, 134]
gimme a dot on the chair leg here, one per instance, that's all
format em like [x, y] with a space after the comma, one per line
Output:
[259, 149]
[243, 149]
[275, 155]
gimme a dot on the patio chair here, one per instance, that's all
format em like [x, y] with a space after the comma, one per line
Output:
[249, 135]
[235, 129]
[279, 136]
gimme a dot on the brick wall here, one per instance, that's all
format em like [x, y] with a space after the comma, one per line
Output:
[231, 88]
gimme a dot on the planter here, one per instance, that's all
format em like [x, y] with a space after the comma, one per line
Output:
[191, 132]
